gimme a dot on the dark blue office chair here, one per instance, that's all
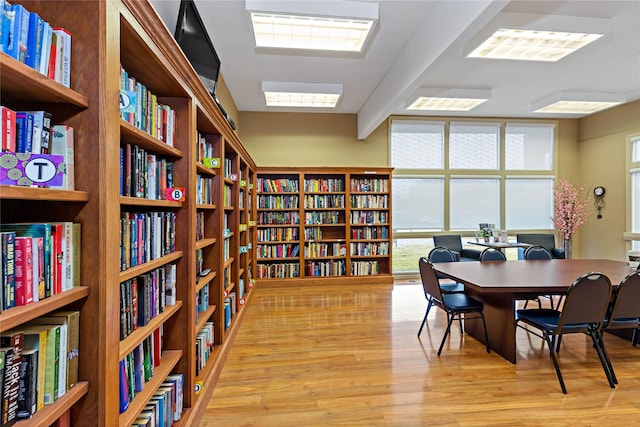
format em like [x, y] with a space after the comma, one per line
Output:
[584, 311]
[457, 305]
[453, 242]
[492, 254]
[546, 240]
[537, 252]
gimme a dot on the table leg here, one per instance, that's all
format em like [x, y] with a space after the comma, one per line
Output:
[499, 313]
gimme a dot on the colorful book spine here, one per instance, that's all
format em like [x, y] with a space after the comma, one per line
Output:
[8, 117]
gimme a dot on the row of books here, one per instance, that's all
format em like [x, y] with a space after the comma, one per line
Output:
[137, 367]
[278, 234]
[228, 168]
[279, 270]
[205, 339]
[370, 201]
[38, 260]
[366, 249]
[281, 250]
[281, 201]
[324, 201]
[364, 233]
[276, 218]
[204, 190]
[331, 217]
[40, 364]
[369, 217]
[200, 224]
[326, 268]
[202, 301]
[378, 185]
[365, 268]
[165, 406]
[323, 185]
[144, 297]
[144, 174]
[145, 236]
[140, 107]
[25, 36]
[204, 150]
[315, 250]
[277, 185]
[51, 150]
[230, 309]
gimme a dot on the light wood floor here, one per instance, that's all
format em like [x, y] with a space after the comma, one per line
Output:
[333, 356]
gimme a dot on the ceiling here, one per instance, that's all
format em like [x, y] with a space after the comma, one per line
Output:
[422, 43]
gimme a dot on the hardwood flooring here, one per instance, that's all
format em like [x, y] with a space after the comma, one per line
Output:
[349, 356]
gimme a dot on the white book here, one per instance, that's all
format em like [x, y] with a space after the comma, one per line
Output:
[152, 177]
[62, 143]
[45, 51]
[63, 59]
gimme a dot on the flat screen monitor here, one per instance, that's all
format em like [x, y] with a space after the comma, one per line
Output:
[194, 40]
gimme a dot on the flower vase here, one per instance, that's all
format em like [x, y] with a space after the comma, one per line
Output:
[566, 246]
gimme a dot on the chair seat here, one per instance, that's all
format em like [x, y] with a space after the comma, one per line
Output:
[460, 303]
[452, 288]
[632, 322]
[547, 319]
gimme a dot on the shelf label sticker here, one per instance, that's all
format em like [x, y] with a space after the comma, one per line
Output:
[26, 169]
[198, 387]
[226, 293]
[250, 186]
[252, 223]
[127, 101]
[243, 227]
[241, 301]
[249, 245]
[233, 176]
[244, 249]
[252, 282]
[176, 194]
[226, 233]
[243, 183]
[211, 162]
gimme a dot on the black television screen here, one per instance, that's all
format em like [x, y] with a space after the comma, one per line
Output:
[194, 40]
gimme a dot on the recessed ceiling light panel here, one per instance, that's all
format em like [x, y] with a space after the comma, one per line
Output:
[299, 94]
[448, 99]
[577, 103]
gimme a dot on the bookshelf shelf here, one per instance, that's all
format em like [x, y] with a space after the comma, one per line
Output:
[169, 360]
[144, 140]
[206, 280]
[138, 270]
[49, 414]
[139, 201]
[10, 192]
[16, 316]
[203, 243]
[20, 81]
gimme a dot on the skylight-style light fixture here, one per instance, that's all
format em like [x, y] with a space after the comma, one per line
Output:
[533, 37]
[577, 103]
[311, 95]
[443, 99]
[341, 26]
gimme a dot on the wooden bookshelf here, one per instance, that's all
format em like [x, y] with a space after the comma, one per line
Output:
[323, 225]
[106, 36]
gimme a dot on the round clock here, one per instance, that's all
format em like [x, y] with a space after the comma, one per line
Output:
[598, 191]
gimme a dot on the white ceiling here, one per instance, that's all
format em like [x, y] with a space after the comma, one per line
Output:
[422, 43]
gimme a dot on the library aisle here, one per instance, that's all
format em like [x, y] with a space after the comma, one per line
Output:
[349, 355]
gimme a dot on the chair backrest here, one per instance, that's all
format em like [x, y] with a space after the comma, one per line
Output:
[587, 300]
[627, 301]
[441, 254]
[452, 242]
[546, 240]
[429, 279]
[537, 252]
[492, 254]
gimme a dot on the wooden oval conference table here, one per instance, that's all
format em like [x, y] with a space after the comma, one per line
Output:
[498, 284]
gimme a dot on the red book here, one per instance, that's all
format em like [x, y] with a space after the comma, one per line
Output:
[24, 270]
[8, 117]
[53, 55]
[157, 346]
[58, 254]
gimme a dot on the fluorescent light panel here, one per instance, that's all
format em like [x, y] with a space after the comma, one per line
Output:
[342, 26]
[531, 45]
[582, 103]
[449, 99]
[296, 94]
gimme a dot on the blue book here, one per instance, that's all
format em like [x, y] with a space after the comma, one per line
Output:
[24, 132]
[124, 387]
[34, 41]
[17, 44]
[6, 20]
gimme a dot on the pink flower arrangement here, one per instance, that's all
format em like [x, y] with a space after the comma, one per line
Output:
[569, 212]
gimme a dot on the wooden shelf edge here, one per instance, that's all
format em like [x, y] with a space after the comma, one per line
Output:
[203, 243]
[204, 280]
[13, 317]
[203, 317]
[146, 140]
[129, 343]
[15, 192]
[50, 413]
[140, 201]
[168, 361]
[132, 272]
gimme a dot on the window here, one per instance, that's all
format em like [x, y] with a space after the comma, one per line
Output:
[450, 176]
[635, 190]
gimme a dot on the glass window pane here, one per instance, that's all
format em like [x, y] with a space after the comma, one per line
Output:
[635, 150]
[528, 203]
[635, 201]
[474, 145]
[474, 201]
[407, 252]
[418, 204]
[417, 144]
[528, 147]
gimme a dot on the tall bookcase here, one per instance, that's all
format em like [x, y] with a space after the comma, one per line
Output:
[321, 225]
[213, 268]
